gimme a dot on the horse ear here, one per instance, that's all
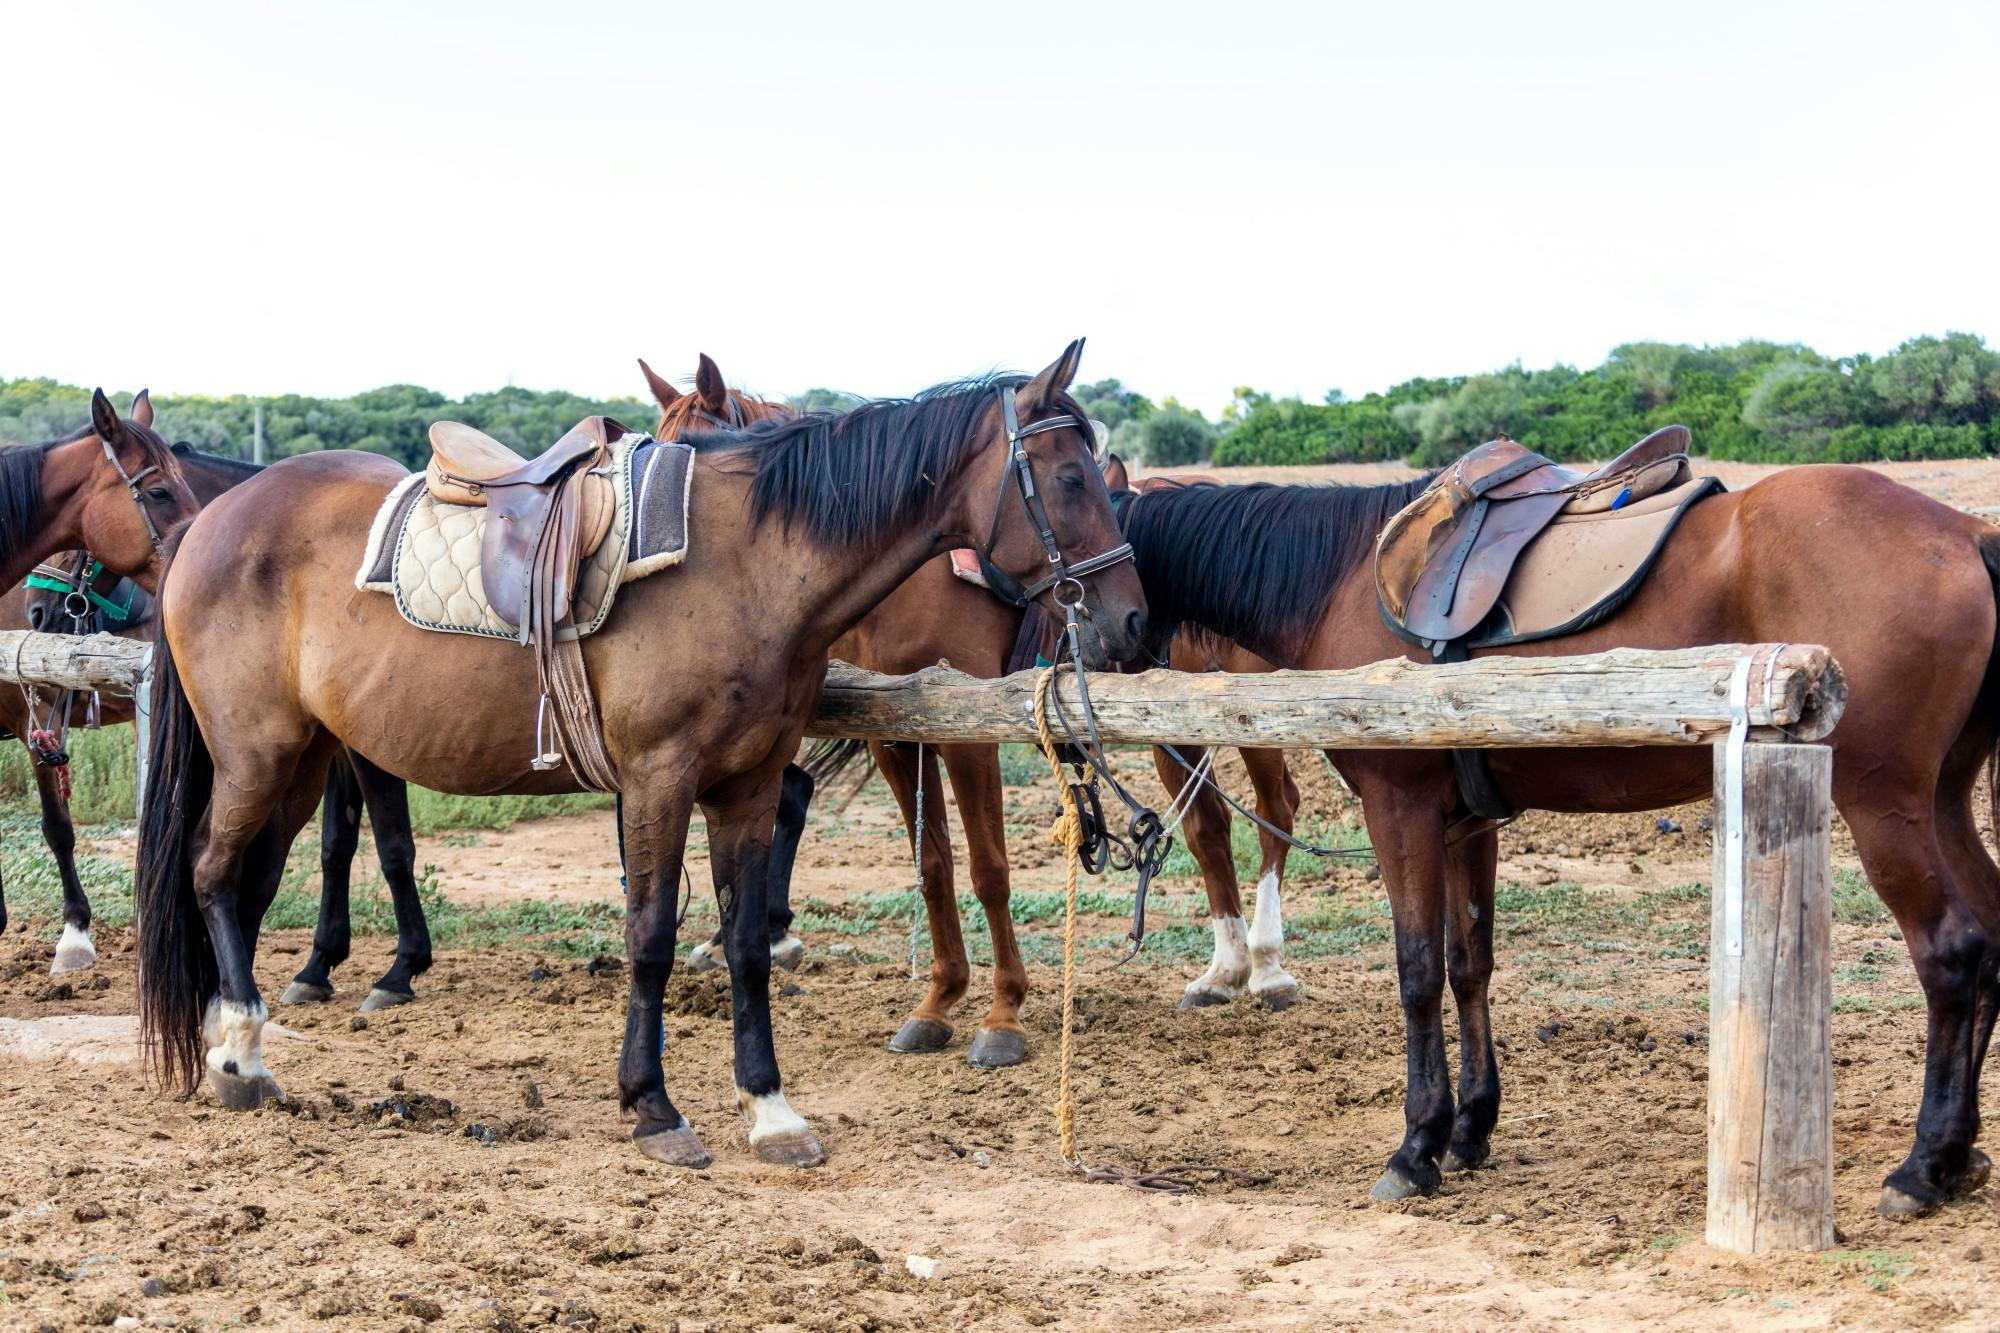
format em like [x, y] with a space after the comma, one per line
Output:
[1116, 478]
[1060, 374]
[142, 408]
[709, 387]
[103, 417]
[663, 393]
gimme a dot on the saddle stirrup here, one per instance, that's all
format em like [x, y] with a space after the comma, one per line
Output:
[547, 756]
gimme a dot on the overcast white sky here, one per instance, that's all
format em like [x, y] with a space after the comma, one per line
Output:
[210, 197]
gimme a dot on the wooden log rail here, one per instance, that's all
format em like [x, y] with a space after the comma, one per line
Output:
[1770, 1089]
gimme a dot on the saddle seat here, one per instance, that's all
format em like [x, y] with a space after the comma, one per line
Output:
[467, 466]
[1443, 564]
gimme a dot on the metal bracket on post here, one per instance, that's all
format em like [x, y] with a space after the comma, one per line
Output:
[142, 723]
[1732, 812]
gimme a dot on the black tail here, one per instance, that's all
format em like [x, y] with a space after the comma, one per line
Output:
[827, 760]
[1989, 552]
[177, 970]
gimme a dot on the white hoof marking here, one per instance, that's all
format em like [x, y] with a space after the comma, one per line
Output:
[769, 1116]
[1231, 964]
[1267, 940]
[74, 952]
[234, 1034]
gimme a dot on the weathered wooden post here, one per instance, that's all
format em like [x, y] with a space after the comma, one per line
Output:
[1770, 1056]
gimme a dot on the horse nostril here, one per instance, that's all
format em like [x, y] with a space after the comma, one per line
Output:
[1135, 627]
[34, 617]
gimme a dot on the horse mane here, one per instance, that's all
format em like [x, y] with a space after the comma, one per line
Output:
[21, 492]
[185, 454]
[1256, 564]
[684, 412]
[850, 476]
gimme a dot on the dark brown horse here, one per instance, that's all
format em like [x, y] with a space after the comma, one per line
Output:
[1900, 587]
[118, 606]
[934, 616]
[705, 679]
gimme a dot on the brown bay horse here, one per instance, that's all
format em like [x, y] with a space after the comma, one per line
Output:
[1901, 588]
[705, 678]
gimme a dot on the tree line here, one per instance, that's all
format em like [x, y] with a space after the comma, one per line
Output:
[1753, 401]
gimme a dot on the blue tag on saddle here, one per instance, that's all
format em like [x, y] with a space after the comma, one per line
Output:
[1624, 496]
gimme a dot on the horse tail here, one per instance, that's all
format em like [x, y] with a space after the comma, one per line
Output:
[1989, 693]
[177, 971]
[827, 760]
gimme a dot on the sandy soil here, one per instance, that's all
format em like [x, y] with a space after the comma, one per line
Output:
[368, 1202]
[460, 1163]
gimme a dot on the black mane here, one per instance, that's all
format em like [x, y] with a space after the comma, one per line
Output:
[21, 493]
[1258, 563]
[852, 476]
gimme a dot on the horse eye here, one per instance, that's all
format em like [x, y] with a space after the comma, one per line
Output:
[160, 495]
[1070, 481]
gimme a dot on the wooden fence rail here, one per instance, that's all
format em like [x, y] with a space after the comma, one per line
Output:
[1770, 1091]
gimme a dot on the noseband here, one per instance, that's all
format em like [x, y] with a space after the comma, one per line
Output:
[1064, 577]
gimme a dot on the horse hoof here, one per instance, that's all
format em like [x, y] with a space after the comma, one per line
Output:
[921, 1034]
[788, 953]
[1895, 1203]
[384, 999]
[792, 1147]
[1280, 998]
[1394, 1187]
[1452, 1163]
[675, 1147]
[306, 992]
[74, 952]
[703, 958]
[996, 1048]
[1202, 997]
[237, 1093]
[1978, 1169]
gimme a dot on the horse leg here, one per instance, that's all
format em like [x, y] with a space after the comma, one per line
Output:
[794, 802]
[795, 793]
[739, 841]
[252, 819]
[975, 783]
[339, 837]
[388, 799]
[74, 951]
[1900, 849]
[1470, 868]
[1407, 831]
[1978, 880]
[1277, 805]
[1206, 830]
[928, 1028]
[656, 814]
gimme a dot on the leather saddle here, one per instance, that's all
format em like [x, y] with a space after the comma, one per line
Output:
[544, 518]
[1442, 564]
[546, 515]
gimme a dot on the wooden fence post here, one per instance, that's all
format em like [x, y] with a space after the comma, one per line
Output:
[1770, 1056]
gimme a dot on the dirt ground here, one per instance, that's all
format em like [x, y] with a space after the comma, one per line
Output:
[460, 1163]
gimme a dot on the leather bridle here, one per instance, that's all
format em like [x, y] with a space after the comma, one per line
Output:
[1064, 577]
[135, 484]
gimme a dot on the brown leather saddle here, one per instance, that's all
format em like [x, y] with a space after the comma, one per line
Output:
[1442, 564]
[1458, 567]
[545, 517]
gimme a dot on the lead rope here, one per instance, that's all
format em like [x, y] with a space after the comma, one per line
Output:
[1067, 832]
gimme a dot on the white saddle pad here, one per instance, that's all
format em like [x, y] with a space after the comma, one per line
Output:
[426, 554]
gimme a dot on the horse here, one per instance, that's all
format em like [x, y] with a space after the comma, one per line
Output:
[1901, 588]
[934, 616]
[114, 604]
[705, 679]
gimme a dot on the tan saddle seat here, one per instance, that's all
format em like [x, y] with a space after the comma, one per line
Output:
[1442, 564]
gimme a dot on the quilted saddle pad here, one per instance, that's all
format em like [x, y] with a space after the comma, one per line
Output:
[426, 554]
